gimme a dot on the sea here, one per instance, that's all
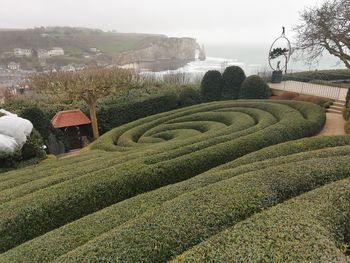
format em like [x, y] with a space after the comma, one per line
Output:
[252, 58]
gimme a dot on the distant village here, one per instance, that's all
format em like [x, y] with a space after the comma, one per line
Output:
[13, 77]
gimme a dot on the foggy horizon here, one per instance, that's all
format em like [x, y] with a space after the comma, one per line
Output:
[222, 21]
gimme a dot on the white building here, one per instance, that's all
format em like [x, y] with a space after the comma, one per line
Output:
[22, 52]
[94, 50]
[73, 67]
[43, 53]
[13, 65]
[56, 51]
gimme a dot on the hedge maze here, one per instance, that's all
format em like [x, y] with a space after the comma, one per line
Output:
[188, 185]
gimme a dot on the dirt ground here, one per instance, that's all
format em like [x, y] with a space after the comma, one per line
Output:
[334, 125]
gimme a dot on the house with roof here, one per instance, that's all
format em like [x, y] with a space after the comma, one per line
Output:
[22, 52]
[56, 51]
[13, 65]
[76, 126]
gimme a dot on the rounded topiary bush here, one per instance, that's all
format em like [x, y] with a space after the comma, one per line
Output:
[254, 87]
[211, 86]
[189, 96]
[232, 79]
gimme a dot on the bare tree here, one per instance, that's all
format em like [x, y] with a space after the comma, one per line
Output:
[88, 85]
[325, 27]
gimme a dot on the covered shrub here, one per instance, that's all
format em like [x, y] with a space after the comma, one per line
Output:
[31, 152]
[232, 79]
[52, 137]
[211, 86]
[254, 87]
[33, 148]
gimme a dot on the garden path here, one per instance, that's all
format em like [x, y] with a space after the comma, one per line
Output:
[334, 125]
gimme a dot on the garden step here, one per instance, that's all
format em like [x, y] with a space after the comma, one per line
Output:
[339, 103]
[336, 107]
[334, 111]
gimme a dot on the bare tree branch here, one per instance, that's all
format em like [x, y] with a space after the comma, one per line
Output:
[325, 27]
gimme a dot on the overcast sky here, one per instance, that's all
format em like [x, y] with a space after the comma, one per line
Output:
[210, 21]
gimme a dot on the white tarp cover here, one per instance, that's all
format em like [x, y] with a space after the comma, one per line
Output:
[13, 132]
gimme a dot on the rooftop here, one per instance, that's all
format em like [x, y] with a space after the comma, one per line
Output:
[69, 118]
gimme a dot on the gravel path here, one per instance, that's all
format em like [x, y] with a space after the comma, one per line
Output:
[334, 125]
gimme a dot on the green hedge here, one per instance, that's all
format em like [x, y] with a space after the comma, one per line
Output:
[187, 220]
[306, 76]
[254, 87]
[232, 79]
[211, 86]
[112, 115]
[314, 227]
[194, 209]
[144, 155]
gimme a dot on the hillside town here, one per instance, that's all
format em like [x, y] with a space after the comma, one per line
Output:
[13, 76]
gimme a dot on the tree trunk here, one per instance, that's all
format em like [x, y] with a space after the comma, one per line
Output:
[94, 125]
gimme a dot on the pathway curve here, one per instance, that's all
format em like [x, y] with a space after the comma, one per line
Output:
[334, 125]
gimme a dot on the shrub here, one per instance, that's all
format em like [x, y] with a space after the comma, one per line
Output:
[314, 99]
[31, 153]
[232, 79]
[254, 87]
[288, 95]
[111, 115]
[211, 86]
[347, 127]
[275, 97]
[43, 125]
[189, 96]
[143, 155]
[338, 74]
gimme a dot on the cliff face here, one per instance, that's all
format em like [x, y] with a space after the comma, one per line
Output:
[163, 49]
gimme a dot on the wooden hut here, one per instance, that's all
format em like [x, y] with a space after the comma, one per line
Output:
[76, 126]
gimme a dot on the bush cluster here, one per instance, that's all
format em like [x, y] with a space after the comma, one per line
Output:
[254, 87]
[144, 155]
[233, 84]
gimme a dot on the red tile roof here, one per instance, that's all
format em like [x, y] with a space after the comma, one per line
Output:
[69, 118]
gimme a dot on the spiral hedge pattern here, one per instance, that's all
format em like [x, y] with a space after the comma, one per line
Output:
[100, 193]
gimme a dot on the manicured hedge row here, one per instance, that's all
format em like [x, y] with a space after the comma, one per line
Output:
[339, 74]
[314, 227]
[187, 220]
[147, 154]
[115, 114]
[60, 241]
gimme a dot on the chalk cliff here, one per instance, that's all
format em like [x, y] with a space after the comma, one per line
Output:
[183, 49]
